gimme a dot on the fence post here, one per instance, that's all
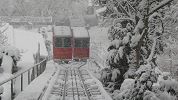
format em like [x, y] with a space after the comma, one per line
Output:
[22, 82]
[28, 76]
[40, 68]
[37, 70]
[33, 74]
[12, 94]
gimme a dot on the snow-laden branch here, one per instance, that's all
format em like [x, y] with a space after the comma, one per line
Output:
[135, 39]
[162, 4]
[121, 19]
[152, 50]
[139, 26]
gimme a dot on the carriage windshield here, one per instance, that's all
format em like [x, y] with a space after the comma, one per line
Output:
[62, 42]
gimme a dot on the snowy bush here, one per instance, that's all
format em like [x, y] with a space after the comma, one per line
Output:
[117, 57]
[148, 95]
[121, 95]
[166, 83]
[109, 78]
[5, 89]
[13, 52]
[124, 91]
[140, 89]
[127, 84]
[166, 96]
[145, 77]
[169, 84]
[115, 74]
[105, 75]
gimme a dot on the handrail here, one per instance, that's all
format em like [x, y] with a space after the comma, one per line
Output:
[33, 72]
[18, 74]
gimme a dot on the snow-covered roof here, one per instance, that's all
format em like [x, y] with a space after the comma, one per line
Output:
[77, 21]
[80, 32]
[100, 10]
[90, 3]
[62, 31]
[91, 20]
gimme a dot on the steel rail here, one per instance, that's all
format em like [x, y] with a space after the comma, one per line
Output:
[72, 84]
[64, 91]
[76, 84]
[84, 85]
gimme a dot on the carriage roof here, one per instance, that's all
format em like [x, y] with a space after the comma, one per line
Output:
[63, 31]
[80, 32]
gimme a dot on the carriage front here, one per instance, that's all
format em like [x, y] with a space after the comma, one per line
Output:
[62, 43]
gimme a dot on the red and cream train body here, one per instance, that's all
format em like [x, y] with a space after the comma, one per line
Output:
[70, 43]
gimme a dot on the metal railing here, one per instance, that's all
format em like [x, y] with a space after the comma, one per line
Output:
[32, 73]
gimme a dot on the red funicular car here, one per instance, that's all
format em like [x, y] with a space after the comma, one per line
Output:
[81, 43]
[62, 43]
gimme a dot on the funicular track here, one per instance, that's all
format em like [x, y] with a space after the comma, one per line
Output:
[73, 83]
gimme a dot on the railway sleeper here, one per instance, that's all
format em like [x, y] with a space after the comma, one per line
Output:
[95, 93]
[97, 97]
[59, 94]
[58, 87]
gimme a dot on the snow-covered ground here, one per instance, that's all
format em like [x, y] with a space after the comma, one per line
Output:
[27, 42]
[35, 89]
[6, 87]
[98, 44]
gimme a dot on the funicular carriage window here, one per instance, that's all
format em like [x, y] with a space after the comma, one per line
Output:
[81, 43]
[67, 42]
[85, 43]
[78, 43]
[62, 42]
[58, 42]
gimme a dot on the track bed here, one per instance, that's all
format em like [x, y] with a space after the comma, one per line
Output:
[75, 84]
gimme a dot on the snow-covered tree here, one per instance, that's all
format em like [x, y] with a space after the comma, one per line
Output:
[136, 40]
